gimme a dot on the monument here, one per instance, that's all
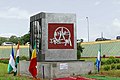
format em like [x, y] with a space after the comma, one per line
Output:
[55, 35]
[56, 39]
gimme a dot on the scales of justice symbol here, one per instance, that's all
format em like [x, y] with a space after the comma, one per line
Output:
[62, 35]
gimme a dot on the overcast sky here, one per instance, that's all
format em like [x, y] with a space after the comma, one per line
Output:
[103, 16]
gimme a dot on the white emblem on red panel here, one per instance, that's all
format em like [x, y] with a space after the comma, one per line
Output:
[62, 35]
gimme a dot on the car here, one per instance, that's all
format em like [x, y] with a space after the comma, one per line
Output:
[8, 44]
[102, 39]
[28, 43]
[118, 37]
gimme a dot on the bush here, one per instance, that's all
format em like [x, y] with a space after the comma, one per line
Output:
[4, 61]
[23, 58]
[117, 60]
[113, 67]
[78, 54]
[106, 68]
[79, 50]
[112, 60]
[111, 57]
[109, 61]
[103, 62]
[118, 66]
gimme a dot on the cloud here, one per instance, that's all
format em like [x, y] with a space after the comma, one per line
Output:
[97, 3]
[14, 13]
[116, 22]
[116, 2]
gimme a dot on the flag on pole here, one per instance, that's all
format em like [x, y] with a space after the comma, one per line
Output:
[98, 59]
[17, 58]
[11, 65]
[33, 63]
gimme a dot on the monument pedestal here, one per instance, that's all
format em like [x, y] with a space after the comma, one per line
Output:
[58, 69]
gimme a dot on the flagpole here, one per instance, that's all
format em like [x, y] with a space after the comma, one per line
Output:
[100, 51]
[100, 56]
[18, 69]
[17, 59]
[19, 62]
[98, 60]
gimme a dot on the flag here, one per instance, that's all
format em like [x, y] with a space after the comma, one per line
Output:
[33, 63]
[17, 58]
[98, 59]
[11, 65]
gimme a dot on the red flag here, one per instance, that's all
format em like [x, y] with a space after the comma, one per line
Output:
[33, 63]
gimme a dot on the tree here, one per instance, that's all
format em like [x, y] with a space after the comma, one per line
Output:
[79, 50]
[80, 40]
[25, 38]
[3, 39]
[13, 39]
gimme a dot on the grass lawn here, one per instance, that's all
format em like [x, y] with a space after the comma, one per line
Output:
[104, 75]
[5, 76]
[93, 59]
[114, 73]
[101, 77]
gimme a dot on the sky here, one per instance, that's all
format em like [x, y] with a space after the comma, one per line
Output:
[103, 16]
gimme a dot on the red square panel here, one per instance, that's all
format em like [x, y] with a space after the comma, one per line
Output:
[60, 36]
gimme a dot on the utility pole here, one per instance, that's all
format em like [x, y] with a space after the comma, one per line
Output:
[102, 35]
[88, 27]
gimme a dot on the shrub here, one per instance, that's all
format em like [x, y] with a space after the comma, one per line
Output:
[106, 68]
[78, 54]
[23, 58]
[109, 61]
[111, 57]
[112, 60]
[113, 67]
[118, 66]
[117, 60]
[79, 50]
[4, 61]
[103, 62]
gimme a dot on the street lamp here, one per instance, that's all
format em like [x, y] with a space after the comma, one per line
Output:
[88, 27]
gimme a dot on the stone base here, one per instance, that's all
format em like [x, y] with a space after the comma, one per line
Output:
[58, 69]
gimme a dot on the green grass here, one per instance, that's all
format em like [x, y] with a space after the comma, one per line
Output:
[88, 59]
[5, 76]
[93, 59]
[101, 77]
[110, 73]
[113, 73]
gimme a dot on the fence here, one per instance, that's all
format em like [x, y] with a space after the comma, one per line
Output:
[108, 48]
[6, 50]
